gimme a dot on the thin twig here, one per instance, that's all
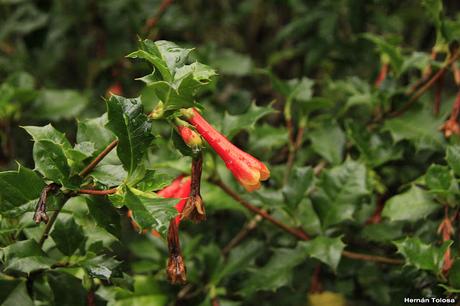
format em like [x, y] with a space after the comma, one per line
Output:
[295, 144]
[247, 228]
[298, 233]
[295, 232]
[51, 221]
[426, 86]
[97, 192]
[98, 158]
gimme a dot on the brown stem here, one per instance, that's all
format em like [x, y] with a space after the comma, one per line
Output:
[97, 192]
[248, 227]
[293, 147]
[298, 233]
[51, 221]
[98, 158]
[427, 85]
[438, 95]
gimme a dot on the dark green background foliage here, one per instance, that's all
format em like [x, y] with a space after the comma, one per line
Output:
[252, 67]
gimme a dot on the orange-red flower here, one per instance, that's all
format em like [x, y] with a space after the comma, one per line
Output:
[248, 170]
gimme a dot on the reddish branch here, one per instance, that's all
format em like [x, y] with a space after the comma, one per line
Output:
[427, 85]
[438, 95]
[98, 158]
[97, 192]
[151, 23]
[298, 233]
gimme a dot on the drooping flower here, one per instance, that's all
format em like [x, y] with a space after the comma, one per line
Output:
[248, 170]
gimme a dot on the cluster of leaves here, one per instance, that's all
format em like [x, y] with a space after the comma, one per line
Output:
[359, 181]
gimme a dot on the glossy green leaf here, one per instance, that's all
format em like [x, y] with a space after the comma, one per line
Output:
[26, 257]
[419, 127]
[453, 158]
[411, 205]
[231, 125]
[129, 123]
[150, 211]
[67, 235]
[94, 131]
[422, 256]
[328, 141]
[106, 216]
[59, 104]
[340, 191]
[299, 182]
[51, 161]
[326, 249]
[18, 188]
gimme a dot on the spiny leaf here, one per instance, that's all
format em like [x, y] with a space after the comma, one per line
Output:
[326, 249]
[411, 205]
[340, 191]
[422, 256]
[129, 123]
[231, 125]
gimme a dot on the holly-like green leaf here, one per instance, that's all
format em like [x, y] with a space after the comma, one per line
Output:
[106, 216]
[18, 189]
[411, 205]
[374, 149]
[59, 104]
[150, 211]
[419, 127]
[101, 267]
[328, 141]
[94, 131]
[63, 160]
[231, 125]
[51, 161]
[326, 249]
[164, 55]
[299, 182]
[67, 235]
[422, 256]
[340, 191]
[238, 260]
[453, 158]
[26, 257]
[14, 292]
[230, 62]
[277, 272]
[60, 282]
[440, 180]
[129, 123]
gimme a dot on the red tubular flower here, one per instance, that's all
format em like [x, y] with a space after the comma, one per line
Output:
[179, 188]
[248, 170]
